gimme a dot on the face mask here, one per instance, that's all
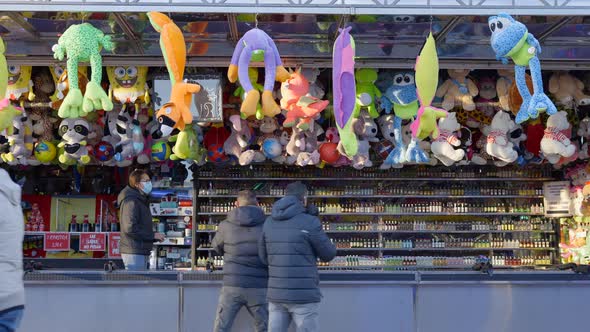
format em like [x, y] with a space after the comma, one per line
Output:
[146, 187]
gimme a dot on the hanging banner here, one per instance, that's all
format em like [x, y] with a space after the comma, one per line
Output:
[557, 199]
[93, 242]
[56, 241]
[114, 239]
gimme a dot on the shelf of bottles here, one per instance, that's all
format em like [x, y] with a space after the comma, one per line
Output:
[410, 218]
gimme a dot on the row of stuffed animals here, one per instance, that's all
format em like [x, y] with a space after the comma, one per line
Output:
[357, 103]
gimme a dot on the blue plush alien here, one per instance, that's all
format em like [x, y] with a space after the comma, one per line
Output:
[401, 97]
[511, 39]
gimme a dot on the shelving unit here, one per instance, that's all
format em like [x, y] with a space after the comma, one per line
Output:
[391, 195]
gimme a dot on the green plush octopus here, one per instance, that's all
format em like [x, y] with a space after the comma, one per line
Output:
[83, 43]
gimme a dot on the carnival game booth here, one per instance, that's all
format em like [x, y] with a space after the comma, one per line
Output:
[426, 156]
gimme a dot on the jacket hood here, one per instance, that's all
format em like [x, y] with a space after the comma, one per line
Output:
[9, 189]
[287, 208]
[248, 216]
[129, 192]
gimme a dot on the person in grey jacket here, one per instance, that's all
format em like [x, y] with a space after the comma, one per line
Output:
[12, 293]
[292, 241]
[137, 235]
[245, 277]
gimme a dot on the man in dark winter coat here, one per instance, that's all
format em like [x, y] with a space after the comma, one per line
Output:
[245, 277]
[137, 235]
[292, 241]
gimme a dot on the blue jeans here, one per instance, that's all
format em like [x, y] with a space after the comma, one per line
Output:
[135, 262]
[306, 317]
[10, 319]
[232, 299]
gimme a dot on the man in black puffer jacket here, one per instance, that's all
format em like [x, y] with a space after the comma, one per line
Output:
[292, 241]
[245, 277]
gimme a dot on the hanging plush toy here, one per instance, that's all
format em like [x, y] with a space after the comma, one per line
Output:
[301, 108]
[498, 144]
[241, 93]
[240, 138]
[344, 89]
[555, 144]
[20, 85]
[444, 145]
[458, 90]
[74, 133]
[128, 85]
[62, 87]
[568, 90]
[511, 39]
[426, 80]
[83, 43]
[367, 93]
[187, 145]
[401, 96]
[257, 46]
[7, 111]
[174, 115]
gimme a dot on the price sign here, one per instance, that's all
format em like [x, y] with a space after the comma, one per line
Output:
[93, 242]
[114, 239]
[557, 199]
[56, 242]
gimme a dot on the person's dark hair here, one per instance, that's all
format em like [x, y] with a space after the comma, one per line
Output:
[296, 189]
[246, 197]
[135, 177]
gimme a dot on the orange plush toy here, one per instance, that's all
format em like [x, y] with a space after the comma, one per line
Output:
[174, 115]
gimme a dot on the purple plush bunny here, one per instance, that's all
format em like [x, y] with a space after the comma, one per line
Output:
[257, 46]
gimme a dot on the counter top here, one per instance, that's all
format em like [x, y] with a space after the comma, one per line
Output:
[326, 277]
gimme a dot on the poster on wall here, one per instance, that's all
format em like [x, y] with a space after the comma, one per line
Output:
[557, 199]
[114, 239]
[207, 105]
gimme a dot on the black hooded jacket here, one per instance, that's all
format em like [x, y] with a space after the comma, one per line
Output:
[137, 235]
[237, 240]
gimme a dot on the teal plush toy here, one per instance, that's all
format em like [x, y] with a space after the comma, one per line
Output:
[511, 39]
[83, 43]
[366, 92]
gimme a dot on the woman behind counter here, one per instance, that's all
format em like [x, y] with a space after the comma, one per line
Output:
[137, 235]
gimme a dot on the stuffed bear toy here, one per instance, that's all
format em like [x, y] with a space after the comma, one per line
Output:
[267, 141]
[498, 145]
[241, 137]
[487, 96]
[505, 80]
[303, 146]
[458, 90]
[74, 133]
[443, 147]
[578, 174]
[367, 93]
[568, 90]
[315, 87]
[20, 142]
[584, 133]
[366, 131]
[43, 125]
[555, 144]
[131, 140]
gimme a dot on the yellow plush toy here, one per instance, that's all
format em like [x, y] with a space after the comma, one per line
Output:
[129, 85]
[20, 85]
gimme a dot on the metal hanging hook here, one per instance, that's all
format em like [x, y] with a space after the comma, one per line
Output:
[256, 21]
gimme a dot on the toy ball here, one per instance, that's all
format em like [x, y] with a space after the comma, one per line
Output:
[272, 148]
[45, 151]
[215, 153]
[104, 151]
[329, 152]
[161, 151]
